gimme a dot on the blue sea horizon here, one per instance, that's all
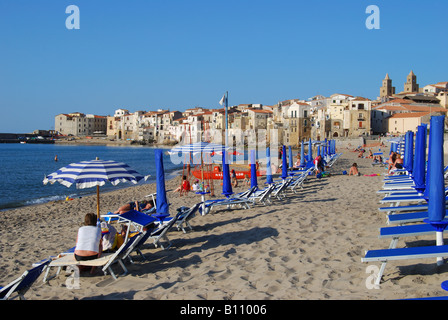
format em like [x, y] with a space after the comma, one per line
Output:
[24, 166]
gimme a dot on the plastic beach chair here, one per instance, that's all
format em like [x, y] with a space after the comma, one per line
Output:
[385, 255]
[263, 196]
[160, 233]
[105, 261]
[185, 215]
[23, 283]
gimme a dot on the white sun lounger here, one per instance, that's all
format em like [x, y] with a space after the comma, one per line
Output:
[105, 261]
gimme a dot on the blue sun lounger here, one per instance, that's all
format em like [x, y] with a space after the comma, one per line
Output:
[385, 255]
[23, 283]
[409, 217]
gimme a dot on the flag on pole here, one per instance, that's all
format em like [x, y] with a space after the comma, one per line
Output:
[223, 100]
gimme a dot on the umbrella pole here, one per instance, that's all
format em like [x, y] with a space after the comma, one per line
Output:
[98, 202]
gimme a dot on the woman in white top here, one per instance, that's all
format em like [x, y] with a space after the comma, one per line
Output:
[88, 244]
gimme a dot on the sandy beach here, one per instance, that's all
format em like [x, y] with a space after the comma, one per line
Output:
[308, 246]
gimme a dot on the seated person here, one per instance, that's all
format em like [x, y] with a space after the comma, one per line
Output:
[246, 180]
[297, 164]
[185, 187]
[398, 164]
[391, 161]
[234, 179]
[354, 170]
[196, 186]
[109, 237]
[88, 243]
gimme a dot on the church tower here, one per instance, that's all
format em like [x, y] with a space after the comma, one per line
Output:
[411, 83]
[387, 90]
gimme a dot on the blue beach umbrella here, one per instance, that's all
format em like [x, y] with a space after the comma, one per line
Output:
[290, 157]
[409, 151]
[284, 164]
[226, 183]
[268, 166]
[162, 201]
[437, 203]
[253, 170]
[428, 169]
[302, 155]
[436, 208]
[94, 173]
[310, 151]
[420, 159]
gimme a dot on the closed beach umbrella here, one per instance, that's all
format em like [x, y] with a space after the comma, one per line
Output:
[436, 206]
[310, 151]
[253, 170]
[162, 201]
[284, 164]
[420, 159]
[268, 166]
[290, 157]
[409, 151]
[302, 155]
[428, 168]
[226, 183]
[94, 173]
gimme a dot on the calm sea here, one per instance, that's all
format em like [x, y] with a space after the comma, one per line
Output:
[24, 166]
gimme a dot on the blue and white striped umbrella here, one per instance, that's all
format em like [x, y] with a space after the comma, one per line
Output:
[88, 174]
[200, 147]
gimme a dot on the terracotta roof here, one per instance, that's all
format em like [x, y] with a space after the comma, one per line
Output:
[410, 115]
[400, 100]
[260, 111]
[360, 99]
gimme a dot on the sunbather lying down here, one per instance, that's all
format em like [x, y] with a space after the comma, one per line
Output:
[139, 206]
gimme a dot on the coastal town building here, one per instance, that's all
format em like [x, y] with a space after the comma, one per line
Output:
[80, 124]
[288, 122]
[411, 84]
[403, 113]
[387, 89]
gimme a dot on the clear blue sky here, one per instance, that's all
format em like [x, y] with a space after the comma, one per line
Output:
[176, 54]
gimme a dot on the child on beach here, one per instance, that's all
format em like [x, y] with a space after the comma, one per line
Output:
[354, 170]
[234, 179]
[246, 180]
[196, 186]
[185, 187]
